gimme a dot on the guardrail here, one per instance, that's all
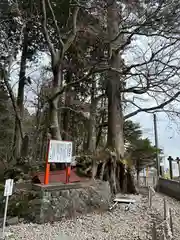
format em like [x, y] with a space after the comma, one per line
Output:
[169, 187]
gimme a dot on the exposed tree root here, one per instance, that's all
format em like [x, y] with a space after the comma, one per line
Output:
[106, 166]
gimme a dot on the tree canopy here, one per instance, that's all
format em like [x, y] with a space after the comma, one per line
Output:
[106, 61]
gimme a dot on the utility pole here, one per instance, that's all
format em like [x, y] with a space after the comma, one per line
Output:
[156, 144]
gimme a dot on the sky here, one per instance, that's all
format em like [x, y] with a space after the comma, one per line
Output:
[168, 129]
[168, 133]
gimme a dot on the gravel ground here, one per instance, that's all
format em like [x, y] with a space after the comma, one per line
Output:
[115, 224]
[158, 209]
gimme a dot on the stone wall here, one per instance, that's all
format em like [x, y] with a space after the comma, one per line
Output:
[169, 187]
[56, 201]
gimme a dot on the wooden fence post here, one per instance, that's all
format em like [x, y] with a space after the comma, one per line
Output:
[150, 197]
[145, 181]
[170, 159]
[165, 214]
[154, 181]
[170, 221]
[162, 237]
[178, 163]
[154, 233]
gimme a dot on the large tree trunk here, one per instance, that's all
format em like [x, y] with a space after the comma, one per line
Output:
[100, 136]
[53, 104]
[20, 99]
[114, 83]
[53, 118]
[91, 141]
[66, 112]
[115, 140]
[44, 133]
[137, 178]
[54, 127]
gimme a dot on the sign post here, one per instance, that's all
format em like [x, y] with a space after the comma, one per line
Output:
[58, 152]
[47, 170]
[7, 192]
[68, 172]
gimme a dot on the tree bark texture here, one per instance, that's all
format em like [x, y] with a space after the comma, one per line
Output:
[120, 175]
[53, 104]
[115, 113]
[66, 112]
[20, 98]
[91, 141]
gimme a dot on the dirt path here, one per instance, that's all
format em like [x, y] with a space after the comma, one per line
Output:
[117, 224]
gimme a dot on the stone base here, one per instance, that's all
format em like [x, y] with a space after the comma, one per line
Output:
[56, 201]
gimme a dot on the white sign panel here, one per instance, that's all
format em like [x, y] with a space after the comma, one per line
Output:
[8, 187]
[60, 151]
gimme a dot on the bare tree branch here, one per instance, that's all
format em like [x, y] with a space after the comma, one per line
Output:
[45, 31]
[160, 106]
[74, 31]
[56, 25]
[84, 78]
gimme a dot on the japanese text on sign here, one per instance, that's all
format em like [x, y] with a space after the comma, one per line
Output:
[8, 187]
[60, 151]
